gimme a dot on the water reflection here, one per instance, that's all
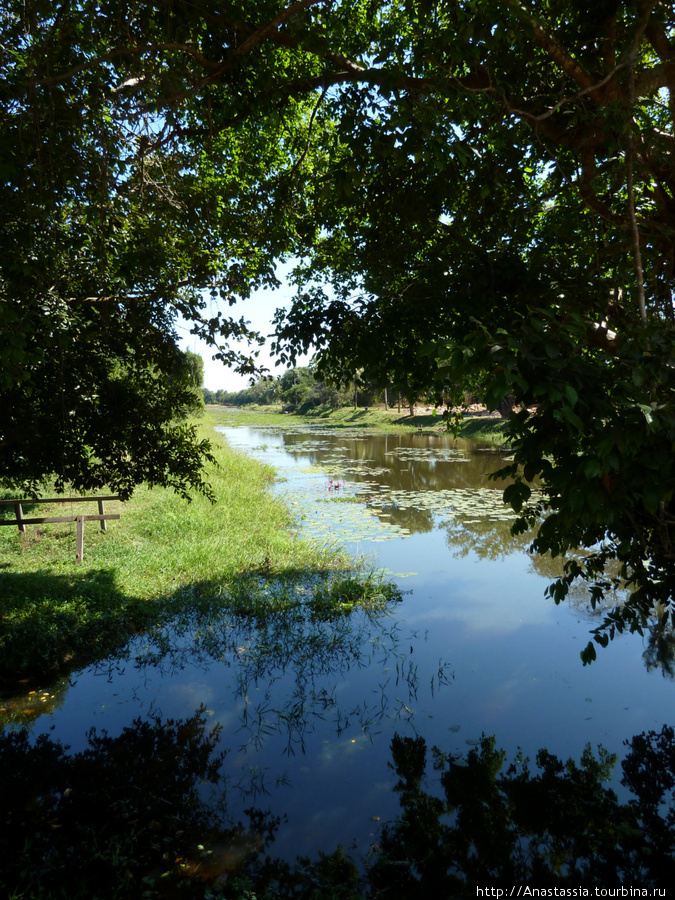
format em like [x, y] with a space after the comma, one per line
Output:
[24, 708]
[146, 814]
[403, 482]
[309, 692]
[402, 486]
[279, 651]
[136, 815]
[557, 824]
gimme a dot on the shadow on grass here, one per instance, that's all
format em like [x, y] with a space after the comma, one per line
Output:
[52, 624]
[421, 421]
[482, 426]
[472, 426]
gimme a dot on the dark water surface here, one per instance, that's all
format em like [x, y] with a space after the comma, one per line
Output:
[474, 647]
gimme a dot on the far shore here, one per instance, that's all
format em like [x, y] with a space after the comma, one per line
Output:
[476, 422]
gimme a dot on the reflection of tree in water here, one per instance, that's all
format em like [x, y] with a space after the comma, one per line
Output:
[25, 708]
[660, 650]
[559, 825]
[492, 539]
[144, 815]
[416, 521]
[287, 645]
[128, 817]
[486, 538]
[412, 462]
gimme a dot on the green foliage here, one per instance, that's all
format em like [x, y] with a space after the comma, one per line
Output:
[263, 392]
[559, 825]
[595, 429]
[301, 391]
[298, 390]
[442, 170]
[120, 214]
[195, 367]
[163, 557]
[125, 817]
[503, 229]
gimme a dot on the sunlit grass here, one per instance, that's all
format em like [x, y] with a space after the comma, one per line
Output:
[162, 555]
[163, 541]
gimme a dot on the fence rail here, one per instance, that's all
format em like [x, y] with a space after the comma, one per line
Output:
[21, 521]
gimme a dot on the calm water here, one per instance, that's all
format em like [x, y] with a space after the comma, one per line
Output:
[474, 647]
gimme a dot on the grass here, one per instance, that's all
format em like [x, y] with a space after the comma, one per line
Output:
[163, 556]
[484, 428]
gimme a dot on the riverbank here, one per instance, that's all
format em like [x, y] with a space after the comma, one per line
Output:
[164, 556]
[476, 425]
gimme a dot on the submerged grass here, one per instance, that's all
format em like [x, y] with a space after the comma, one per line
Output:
[164, 556]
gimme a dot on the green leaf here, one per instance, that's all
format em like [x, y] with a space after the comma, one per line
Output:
[570, 416]
[571, 395]
[588, 654]
[592, 468]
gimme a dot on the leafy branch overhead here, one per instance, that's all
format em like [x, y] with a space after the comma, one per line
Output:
[470, 190]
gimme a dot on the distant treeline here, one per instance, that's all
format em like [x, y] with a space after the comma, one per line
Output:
[297, 390]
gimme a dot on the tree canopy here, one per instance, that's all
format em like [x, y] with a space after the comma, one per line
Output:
[471, 187]
[122, 208]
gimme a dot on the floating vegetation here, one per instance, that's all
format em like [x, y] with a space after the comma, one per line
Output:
[436, 454]
[469, 504]
[362, 511]
[347, 518]
[359, 467]
[305, 447]
[371, 501]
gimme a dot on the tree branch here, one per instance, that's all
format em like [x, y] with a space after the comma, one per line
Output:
[659, 41]
[630, 153]
[266, 30]
[555, 49]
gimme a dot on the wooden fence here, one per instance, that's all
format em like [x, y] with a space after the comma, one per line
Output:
[21, 521]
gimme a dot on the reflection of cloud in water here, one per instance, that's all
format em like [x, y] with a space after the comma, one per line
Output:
[341, 748]
[475, 522]
[190, 695]
[508, 693]
[496, 597]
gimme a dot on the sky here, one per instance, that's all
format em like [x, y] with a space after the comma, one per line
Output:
[259, 311]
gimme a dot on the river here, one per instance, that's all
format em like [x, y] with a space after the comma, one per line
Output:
[473, 647]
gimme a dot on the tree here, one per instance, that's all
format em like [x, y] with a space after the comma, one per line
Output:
[503, 209]
[195, 366]
[123, 207]
[484, 189]
[554, 824]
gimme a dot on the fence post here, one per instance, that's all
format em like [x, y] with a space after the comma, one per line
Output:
[18, 511]
[79, 540]
[101, 512]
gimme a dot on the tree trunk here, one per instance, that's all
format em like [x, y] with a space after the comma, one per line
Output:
[505, 406]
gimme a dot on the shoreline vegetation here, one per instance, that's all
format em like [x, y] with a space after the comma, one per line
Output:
[164, 558]
[167, 556]
[477, 424]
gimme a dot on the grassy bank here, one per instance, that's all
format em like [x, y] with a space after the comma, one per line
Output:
[162, 557]
[476, 427]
